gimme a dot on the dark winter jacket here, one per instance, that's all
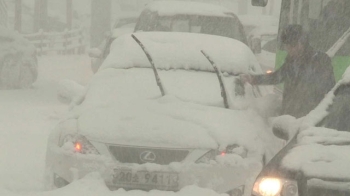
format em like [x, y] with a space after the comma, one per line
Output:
[306, 81]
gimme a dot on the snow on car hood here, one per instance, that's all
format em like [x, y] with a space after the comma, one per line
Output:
[125, 107]
[171, 8]
[171, 50]
[321, 153]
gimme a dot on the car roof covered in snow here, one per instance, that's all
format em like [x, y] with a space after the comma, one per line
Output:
[170, 8]
[173, 50]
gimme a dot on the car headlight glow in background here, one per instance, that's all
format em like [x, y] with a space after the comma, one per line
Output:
[269, 186]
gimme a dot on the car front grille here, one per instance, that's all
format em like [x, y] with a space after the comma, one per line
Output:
[139, 155]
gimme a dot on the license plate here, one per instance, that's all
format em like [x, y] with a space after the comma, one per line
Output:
[144, 178]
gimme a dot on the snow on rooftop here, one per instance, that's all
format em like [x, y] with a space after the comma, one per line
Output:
[173, 50]
[170, 8]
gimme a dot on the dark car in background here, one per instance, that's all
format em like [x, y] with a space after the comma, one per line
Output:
[18, 62]
[316, 159]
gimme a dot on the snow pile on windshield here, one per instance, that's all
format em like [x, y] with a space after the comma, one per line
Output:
[171, 8]
[171, 50]
[321, 153]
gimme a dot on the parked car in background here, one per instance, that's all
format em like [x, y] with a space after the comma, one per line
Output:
[158, 120]
[194, 17]
[124, 24]
[262, 31]
[18, 62]
[183, 16]
[315, 161]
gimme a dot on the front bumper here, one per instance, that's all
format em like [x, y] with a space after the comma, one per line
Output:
[172, 177]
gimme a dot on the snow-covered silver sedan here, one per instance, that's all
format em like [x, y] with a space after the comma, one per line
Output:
[18, 62]
[157, 116]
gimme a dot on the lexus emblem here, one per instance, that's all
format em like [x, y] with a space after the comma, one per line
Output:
[148, 156]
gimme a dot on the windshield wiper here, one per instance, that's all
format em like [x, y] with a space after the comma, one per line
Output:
[224, 93]
[159, 82]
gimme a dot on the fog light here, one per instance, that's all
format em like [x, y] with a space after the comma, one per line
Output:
[290, 189]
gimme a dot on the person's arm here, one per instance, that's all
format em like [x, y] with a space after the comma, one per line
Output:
[270, 79]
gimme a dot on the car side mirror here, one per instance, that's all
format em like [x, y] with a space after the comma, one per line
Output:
[284, 127]
[259, 3]
[95, 53]
[280, 133]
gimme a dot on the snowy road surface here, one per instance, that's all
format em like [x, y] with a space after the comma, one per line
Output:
[27, 117]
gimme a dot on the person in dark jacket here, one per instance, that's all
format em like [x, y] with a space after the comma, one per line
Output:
[307, 74]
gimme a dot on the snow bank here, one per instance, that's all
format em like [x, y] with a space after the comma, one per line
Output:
[170, 8]
[93, 184]
[171, 50]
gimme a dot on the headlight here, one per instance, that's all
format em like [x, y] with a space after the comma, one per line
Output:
[79, 144]
[269, 186]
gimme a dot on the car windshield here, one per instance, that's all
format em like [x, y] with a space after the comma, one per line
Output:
[338, 117]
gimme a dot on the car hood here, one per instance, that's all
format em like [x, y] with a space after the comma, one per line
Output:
[170, 122]
[320, 153]
[126, 107]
